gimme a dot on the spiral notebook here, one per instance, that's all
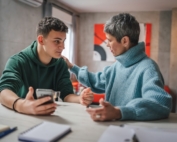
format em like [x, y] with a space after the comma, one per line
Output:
[45, 132]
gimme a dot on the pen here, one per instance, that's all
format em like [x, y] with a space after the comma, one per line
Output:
[2, 134]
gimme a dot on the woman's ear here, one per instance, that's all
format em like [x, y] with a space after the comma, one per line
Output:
[126, 42]
[40, 39]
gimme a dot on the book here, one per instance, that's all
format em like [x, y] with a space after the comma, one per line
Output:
[3, 127]
[45, 132]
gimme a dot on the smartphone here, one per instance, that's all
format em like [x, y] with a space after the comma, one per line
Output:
[94, 106]
[41, 93]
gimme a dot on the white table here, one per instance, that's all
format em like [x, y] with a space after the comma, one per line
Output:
[84, 129]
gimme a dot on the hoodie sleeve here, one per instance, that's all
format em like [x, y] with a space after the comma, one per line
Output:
[11, 77]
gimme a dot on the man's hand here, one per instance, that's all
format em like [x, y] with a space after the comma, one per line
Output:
[31, 106]
[105, 112]
[68, 62]
[86, 97]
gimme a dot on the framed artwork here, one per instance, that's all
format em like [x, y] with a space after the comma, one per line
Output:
[102, 52]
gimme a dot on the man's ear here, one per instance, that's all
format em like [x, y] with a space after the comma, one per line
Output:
[126, 42]
[40, 39]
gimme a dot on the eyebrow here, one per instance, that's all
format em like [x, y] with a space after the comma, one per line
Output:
[58, 38]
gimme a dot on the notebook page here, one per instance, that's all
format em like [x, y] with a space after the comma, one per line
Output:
[46, 132]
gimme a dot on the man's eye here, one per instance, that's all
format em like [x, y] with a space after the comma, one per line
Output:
[57, 41]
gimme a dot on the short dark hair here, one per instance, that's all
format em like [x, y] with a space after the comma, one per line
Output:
[122, 25]
[50, 23]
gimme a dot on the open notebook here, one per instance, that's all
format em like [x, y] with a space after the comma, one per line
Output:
[45, 132]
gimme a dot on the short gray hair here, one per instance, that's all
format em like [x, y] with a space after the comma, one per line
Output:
[122, 25]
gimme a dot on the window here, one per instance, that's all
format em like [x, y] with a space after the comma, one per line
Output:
[66, 51]
[67, 19]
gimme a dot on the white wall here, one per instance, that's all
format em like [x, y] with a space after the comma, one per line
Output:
[18, 23]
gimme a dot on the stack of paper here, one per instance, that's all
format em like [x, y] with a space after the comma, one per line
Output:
[137, 134]
[117, 134]
[155, 135]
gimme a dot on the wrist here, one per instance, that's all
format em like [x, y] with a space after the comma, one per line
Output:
[79, 99]
[117, 113]
[18, 105]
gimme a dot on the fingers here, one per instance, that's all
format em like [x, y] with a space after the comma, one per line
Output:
[86, 97]
[45, 112]
[64, 57]
[34, 107]
[87, 90]
[41, 101]
[30, 93]
[87, 94]
[103, 103]
[45, 109]
[97, 114]
[70, 65]
[98, 117]
[95, 110]
[104, 113]
[86, 101]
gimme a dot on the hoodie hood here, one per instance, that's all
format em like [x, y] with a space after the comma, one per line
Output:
[31, 52]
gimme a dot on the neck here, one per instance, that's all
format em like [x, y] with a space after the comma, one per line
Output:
[132, 44]
[43, 57]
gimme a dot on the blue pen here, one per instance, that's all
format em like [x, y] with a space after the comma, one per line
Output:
[2, 134]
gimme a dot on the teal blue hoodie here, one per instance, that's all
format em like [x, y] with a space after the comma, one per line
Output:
[25, 69]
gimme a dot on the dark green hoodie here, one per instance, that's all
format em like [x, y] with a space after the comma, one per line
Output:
[25, 69]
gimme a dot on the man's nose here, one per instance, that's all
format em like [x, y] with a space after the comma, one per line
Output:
[61, 46]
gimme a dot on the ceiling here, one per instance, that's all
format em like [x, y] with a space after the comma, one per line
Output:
[87, 6]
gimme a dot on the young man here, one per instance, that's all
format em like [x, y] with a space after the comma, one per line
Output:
[133, 85]
[40, 66]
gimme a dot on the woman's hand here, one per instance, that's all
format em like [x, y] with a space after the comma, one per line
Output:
[86, 97]
[67, 62]
[105, 112]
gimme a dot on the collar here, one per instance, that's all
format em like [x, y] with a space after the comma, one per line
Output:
[133, 55]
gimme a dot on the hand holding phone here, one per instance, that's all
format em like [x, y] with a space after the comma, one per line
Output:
[40, 93]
